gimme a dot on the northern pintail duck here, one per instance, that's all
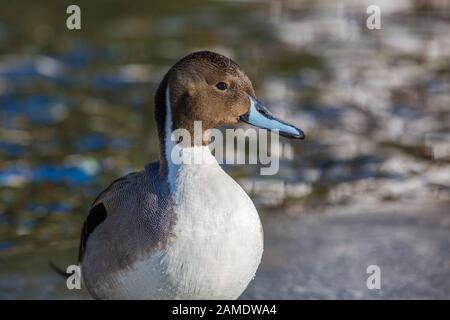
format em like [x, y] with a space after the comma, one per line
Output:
[181, 231]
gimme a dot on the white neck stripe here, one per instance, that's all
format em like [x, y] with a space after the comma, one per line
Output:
[168, 143]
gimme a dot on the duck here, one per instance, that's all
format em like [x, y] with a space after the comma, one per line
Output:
[181, 230]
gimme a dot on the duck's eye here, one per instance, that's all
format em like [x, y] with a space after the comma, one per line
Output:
[222, 86]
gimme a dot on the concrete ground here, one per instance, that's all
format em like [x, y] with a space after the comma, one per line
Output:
[325, 255]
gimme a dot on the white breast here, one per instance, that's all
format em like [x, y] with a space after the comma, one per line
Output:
[219, 239]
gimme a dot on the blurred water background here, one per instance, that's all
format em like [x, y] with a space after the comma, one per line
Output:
[76, 109]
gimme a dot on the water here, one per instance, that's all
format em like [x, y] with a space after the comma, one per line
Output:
[76, 110]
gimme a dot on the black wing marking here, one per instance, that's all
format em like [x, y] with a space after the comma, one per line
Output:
[96, 216]
[98, 213]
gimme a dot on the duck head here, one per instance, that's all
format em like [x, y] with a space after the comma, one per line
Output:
[211, 88]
